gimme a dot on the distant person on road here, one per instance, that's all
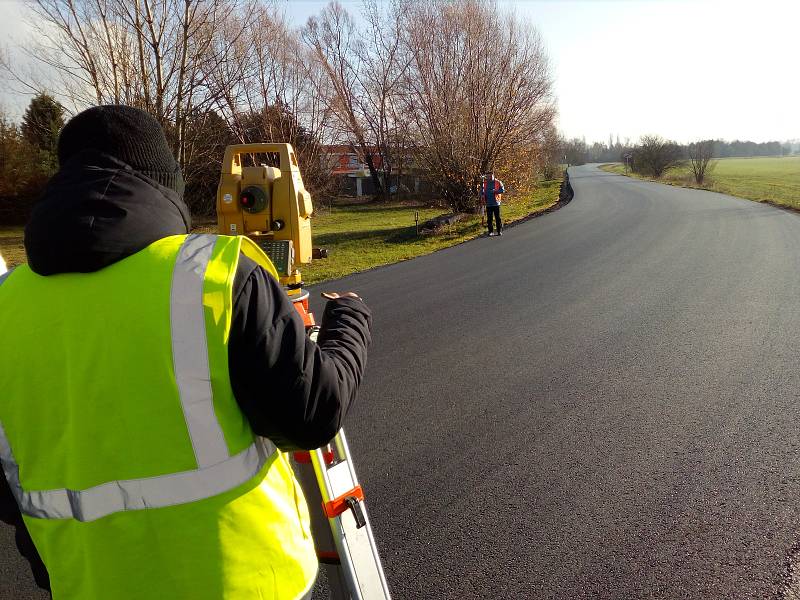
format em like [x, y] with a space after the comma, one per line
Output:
[151, 380]
[491, 194]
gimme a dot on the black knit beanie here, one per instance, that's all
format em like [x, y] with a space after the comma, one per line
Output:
[126, 133]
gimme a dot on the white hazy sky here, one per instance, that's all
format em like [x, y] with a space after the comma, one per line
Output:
[684, 69]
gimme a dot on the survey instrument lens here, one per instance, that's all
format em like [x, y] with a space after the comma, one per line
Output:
[253, 199]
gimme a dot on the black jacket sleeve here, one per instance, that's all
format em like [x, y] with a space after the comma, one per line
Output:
[293, 391]
[10, 514]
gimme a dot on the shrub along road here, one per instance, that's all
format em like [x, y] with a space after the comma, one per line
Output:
[600, 404]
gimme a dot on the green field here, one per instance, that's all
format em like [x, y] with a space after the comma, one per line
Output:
[363, 236]
[775, 180]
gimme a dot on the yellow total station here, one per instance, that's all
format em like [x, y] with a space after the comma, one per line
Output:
[268, 204]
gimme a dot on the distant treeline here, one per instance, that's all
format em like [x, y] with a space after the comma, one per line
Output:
[723, 149]
[578, 152]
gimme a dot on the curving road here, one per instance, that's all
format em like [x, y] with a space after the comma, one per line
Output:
[603, 403]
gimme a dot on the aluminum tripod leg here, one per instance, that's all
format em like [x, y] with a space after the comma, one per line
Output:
[321, 531]
[343, 536]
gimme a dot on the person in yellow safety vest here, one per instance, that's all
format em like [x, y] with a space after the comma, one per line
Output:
[151, 381]
[492, 191]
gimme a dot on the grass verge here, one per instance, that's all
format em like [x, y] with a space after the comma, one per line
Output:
[364, 236]
[773, 180]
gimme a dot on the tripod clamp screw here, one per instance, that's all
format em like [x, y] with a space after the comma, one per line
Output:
[350, 500]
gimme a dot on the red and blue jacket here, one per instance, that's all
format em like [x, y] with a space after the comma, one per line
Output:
[489, 192]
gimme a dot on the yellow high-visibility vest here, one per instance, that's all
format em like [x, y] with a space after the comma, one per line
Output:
[136, 472]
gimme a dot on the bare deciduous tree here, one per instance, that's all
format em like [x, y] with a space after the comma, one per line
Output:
[147, 53]
[574, 151]
[700, 155]
[549, 155]
[365, 69]
[479, 91]
[187, 62]
[269, 92]
[385, 63]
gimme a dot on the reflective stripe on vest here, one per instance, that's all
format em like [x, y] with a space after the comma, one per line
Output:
[216, 471]
[189, 353]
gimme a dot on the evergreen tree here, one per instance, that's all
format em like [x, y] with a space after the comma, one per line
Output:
[21, 179]
[41, 124]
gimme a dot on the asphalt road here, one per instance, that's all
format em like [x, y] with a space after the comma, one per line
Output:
[603, 403]
[600, 404]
